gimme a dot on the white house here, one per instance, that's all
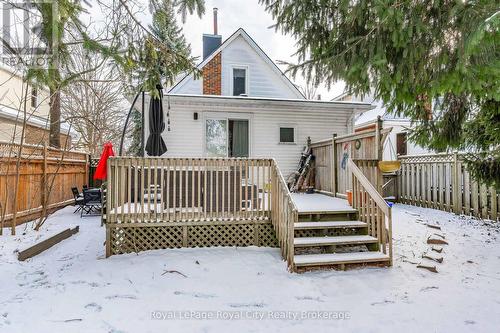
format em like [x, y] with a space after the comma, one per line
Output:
[244, 105]
[397, 143]
[13, 97]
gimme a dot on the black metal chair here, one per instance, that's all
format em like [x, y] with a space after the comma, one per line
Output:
[78, 199]
[91, 202]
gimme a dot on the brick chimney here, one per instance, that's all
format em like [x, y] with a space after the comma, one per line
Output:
[212, 70]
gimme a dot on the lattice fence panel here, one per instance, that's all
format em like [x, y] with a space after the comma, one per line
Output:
[136, 239]
[221, 235]
[267, 235]
[325, 232]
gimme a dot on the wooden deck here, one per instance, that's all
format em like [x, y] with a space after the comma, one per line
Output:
[158, 203]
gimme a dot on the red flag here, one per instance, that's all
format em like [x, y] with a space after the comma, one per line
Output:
[101, 170]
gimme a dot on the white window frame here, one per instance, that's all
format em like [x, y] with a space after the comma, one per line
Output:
[231, 78]
[228, 116]
[295, 133]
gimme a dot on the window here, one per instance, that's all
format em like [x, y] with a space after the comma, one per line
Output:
[239, 81]
[227, 137]
[401, 144]
[216, 137]
[34, 97]
[287, 135]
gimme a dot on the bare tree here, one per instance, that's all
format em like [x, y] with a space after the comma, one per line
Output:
[94, 104]
[310, 90]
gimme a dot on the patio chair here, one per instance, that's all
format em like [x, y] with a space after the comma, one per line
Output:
[91, 202]
[78, 199]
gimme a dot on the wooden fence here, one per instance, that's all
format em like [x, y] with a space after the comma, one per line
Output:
[331, 156]
[441, 181]
[42, 172]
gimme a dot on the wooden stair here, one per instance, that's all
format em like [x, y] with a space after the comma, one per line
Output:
[334, 239]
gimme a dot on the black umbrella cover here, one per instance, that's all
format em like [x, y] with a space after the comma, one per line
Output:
[155, 146]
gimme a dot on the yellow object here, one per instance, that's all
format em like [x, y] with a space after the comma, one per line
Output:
[389, 166]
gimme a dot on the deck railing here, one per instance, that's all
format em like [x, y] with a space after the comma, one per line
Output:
[372, 208]
[188, 197]
[284, 214]
[188, 189]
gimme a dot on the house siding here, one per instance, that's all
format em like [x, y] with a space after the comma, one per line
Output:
[264, 79]
[318, 121]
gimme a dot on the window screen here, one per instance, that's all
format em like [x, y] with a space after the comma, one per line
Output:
[239, 81]
[287, 134]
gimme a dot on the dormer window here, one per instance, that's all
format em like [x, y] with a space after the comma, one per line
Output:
[240, 80]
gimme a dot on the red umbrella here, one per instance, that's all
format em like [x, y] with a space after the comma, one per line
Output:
[101, 170]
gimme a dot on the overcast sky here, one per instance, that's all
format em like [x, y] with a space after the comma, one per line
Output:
[234, 14]
[251, 16]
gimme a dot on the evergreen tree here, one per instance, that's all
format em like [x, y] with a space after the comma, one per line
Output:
[162, 54]
[414, 54]
[154, 64]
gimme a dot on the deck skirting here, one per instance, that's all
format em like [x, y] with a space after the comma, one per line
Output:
[124, 238]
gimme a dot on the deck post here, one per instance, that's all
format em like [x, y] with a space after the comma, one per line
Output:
[379, 149]
[334, 165]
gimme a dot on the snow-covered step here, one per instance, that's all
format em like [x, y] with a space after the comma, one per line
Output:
[339, 258]
[336, 240]
[329, 225]
[343, 210]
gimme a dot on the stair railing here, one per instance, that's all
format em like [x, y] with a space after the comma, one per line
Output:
[284, 214]
[372, 208]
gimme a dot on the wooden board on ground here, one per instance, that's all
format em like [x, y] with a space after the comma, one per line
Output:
[46, 244]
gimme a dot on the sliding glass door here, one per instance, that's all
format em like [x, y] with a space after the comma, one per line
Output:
[227, 137]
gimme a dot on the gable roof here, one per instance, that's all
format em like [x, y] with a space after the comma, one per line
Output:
[241, 32]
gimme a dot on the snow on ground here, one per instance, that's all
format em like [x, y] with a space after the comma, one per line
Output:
[316, 202]
[73, 288]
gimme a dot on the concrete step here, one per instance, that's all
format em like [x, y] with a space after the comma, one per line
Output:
[333, 240]
[329, 225]
[325, 259]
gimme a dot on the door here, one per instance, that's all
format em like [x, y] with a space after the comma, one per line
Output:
[238, 138]
[227, 137]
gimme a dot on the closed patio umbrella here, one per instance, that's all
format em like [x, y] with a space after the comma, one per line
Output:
[155, 145]
[101, 170]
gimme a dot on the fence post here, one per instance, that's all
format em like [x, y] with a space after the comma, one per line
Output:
[334, 165]
[87, 173]
[379, 152]
[456, 185]
[44, 199]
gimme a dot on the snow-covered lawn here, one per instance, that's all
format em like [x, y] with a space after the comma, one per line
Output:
[73, 288]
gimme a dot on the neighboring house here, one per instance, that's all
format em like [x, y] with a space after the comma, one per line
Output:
[397, 143]
[245, 106]
[12, 94]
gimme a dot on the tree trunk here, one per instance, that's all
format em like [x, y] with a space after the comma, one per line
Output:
[55, 118]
